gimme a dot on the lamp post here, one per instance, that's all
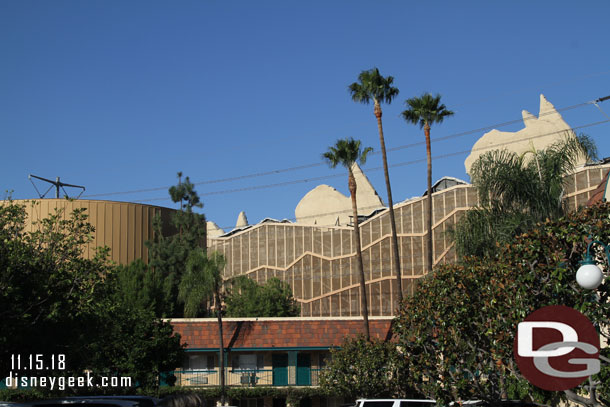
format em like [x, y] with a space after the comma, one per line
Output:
[589, 275]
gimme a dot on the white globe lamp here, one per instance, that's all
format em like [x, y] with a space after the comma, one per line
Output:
[589, 276]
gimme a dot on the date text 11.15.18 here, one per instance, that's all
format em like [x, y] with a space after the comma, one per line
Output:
[38, 362]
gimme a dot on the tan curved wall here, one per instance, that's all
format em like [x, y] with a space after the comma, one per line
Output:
[122, 226]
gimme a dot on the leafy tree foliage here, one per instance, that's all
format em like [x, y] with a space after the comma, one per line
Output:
[53, 300]
[457, 331]
[366, 369]
[135, 343]
[140, 287]
[249, 299]
[516, 191]
[169, 252]
[49, 293]
[201, 282]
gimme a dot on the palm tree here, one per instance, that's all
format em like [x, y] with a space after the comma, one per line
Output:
[425, 111]
[346, 152]
[202, 282]
[516, 192]
[373, 86]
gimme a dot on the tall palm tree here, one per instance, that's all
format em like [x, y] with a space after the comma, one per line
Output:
[373, 86]
[200, 284]
[346, 152]
[515, 192]
[425, 111]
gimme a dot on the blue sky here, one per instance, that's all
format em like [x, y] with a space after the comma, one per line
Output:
[121, 95]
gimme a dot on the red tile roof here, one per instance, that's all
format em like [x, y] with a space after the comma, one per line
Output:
[276, 333]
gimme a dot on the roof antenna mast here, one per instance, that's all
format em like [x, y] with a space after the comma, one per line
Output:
[57, 184]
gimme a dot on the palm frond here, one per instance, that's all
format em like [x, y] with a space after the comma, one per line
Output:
[346, 152]
[425, 109]
[372, 85]
[202, 276]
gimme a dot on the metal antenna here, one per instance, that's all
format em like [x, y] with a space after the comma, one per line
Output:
[57, 184]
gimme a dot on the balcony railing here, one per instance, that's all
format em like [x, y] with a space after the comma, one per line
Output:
[243, 377]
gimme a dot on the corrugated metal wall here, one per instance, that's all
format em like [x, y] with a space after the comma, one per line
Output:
[122, 226]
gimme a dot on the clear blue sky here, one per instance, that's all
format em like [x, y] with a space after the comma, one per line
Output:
[121, 95]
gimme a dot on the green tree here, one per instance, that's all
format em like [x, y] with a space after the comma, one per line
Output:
[54, 301]
[201, 284]
[366, 369]
[425, 111]
[373, 86]
[49, 291]
[249, 299]
[458, 330]
[139, 286]
[346, 152]
[170, 250]
[136, 344]
[516, 191]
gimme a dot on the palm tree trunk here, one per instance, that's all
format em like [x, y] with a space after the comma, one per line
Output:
[221, 362]
[390, 202]
[429, 200]
[365, 306]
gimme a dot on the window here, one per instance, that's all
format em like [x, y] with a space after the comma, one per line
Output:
[247, 361]
[199, 362]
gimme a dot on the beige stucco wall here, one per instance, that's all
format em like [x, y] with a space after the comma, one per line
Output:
[539, 133]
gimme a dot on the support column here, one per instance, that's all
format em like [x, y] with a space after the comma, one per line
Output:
[292, 367]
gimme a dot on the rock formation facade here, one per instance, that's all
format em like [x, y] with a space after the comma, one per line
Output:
[539, 132]
[325, 206]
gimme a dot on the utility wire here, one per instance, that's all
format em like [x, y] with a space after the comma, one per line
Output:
[402, 164]
[374, 207]
[305, 166]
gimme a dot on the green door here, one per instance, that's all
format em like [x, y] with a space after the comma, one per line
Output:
[303, 369]
[280, 369]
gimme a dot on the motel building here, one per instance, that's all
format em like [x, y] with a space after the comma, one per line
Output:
[267, 352]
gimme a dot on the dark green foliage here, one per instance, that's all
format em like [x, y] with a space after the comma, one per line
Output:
[168, 255]
[426, 109]
[372, 85]
[49, 294]
[139, 287]
[516, 191]
[366, 369]
[458, 329]
[54, 301]
[346, 152]
[201, 281]
[249, 299]
[136, 344]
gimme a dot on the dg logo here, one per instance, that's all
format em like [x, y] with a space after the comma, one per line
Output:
[557, 348]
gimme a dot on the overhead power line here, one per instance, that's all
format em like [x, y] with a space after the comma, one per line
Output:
[317, 164]
[402, 164]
